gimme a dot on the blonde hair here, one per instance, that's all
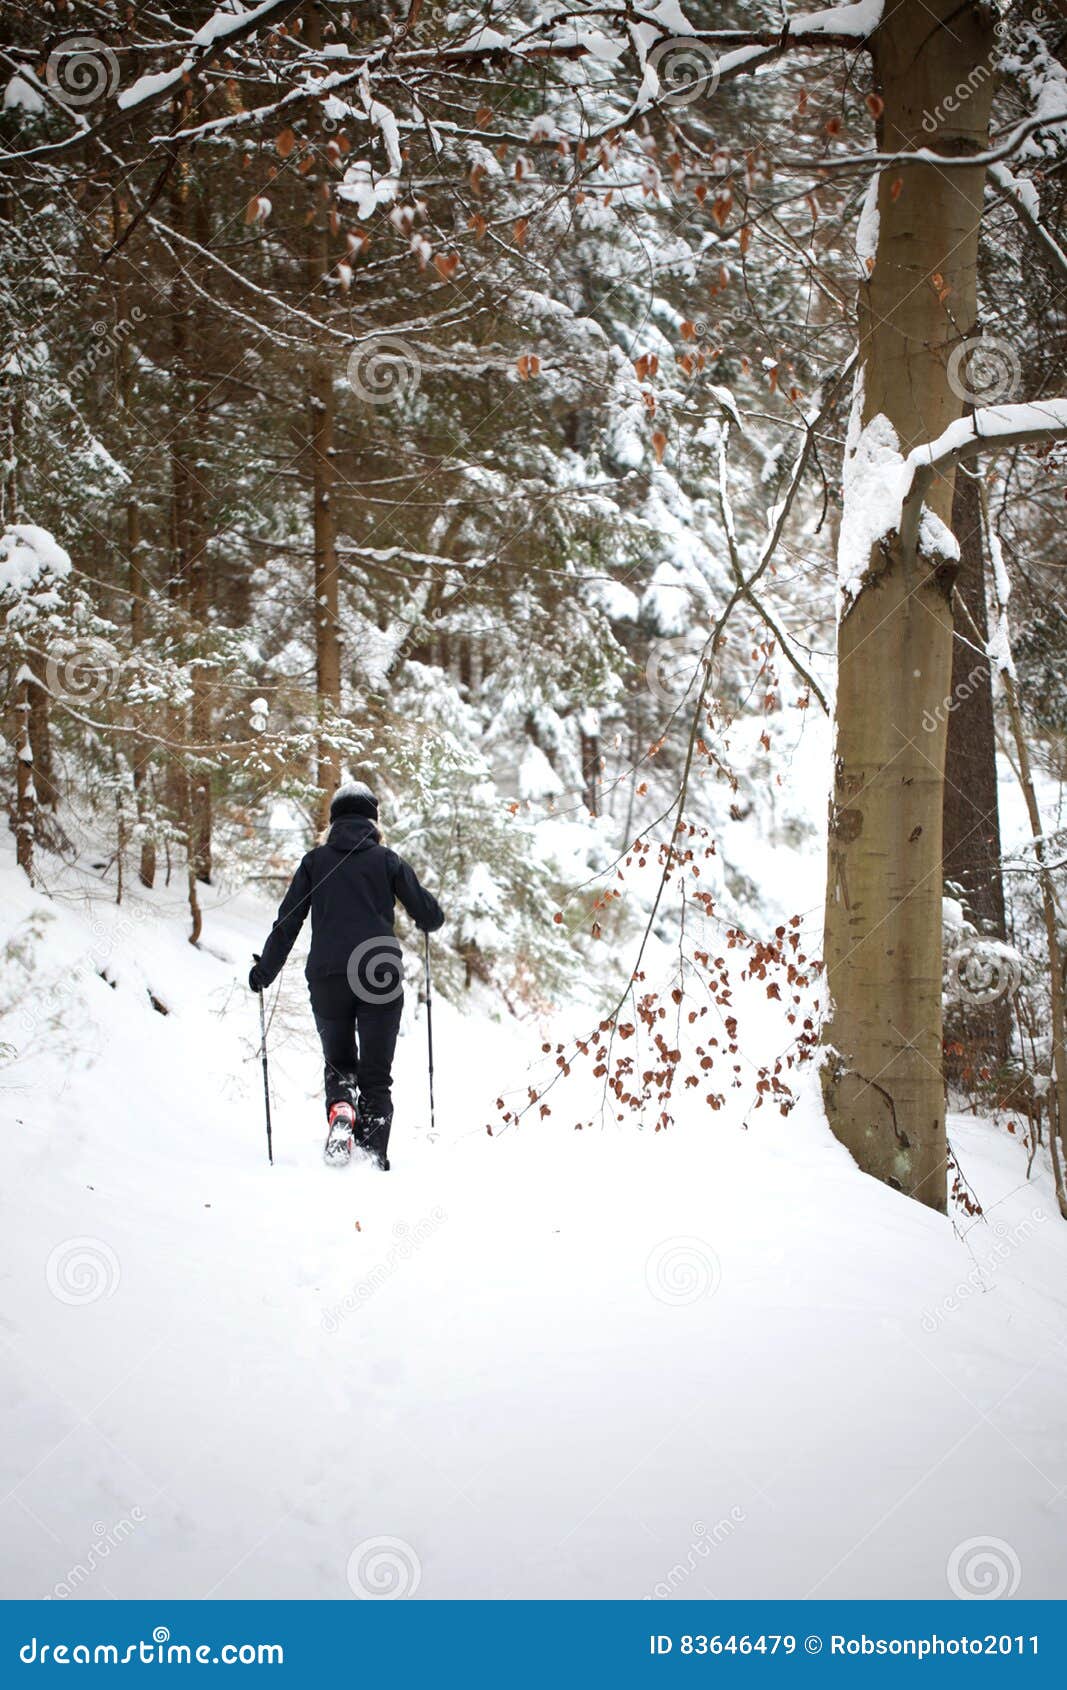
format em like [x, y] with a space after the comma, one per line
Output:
[325, 833]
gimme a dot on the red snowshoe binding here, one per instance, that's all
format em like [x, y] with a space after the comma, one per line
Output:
[338, 1147]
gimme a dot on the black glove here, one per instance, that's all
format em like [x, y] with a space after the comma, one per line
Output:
[256, 982]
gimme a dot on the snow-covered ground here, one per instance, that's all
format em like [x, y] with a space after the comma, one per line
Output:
[710, 1362]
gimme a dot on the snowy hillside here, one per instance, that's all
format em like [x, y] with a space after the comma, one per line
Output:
[708, 1362]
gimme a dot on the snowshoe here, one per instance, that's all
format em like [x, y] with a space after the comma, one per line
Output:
[373, 1136]
[338, 1148]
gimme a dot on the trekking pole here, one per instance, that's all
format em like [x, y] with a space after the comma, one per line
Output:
[429, 1025]
[266, 1082]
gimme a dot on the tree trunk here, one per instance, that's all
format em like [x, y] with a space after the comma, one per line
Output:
[589, 744]
[25, 794]
[1049, 906]
[40, 726]
[200, 714]
[1051, 913]
[971, 815]
[11, 402]
[135, 579]
[189, 781]
[882, 1074]
[201, 599]
[322, 409]
[147, 866]
[972, 819]
[327, 608]
[177, 776]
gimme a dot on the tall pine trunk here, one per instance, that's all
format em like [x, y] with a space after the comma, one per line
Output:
[200, 597]
[146, 867]
[135, 578]
[327, 608]
[183, 535]
[25, 791]
[321, 419]
[882, 1076]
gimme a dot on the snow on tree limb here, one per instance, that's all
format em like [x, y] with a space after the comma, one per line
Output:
[1008, 148]
[885, 491]
[1022, 197]
[222, 28]
[995, 427]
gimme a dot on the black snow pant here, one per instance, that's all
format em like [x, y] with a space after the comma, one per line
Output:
[358, 1040]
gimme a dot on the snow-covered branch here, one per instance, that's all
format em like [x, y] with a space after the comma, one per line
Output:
[991, 427]
[1021, 195]
[985, 160]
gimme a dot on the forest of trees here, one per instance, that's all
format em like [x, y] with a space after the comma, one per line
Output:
[539, 410]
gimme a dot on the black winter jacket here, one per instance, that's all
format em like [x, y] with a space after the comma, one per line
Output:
[350, 885]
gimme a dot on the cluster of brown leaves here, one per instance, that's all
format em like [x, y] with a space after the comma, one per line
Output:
[960, 1192]
[644, 1060]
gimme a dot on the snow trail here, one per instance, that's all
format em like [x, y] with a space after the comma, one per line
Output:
[709, 1362]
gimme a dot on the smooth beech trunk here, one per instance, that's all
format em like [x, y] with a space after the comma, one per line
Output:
[882, 1074]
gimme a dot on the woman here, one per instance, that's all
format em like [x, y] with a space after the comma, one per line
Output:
[354, 970]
